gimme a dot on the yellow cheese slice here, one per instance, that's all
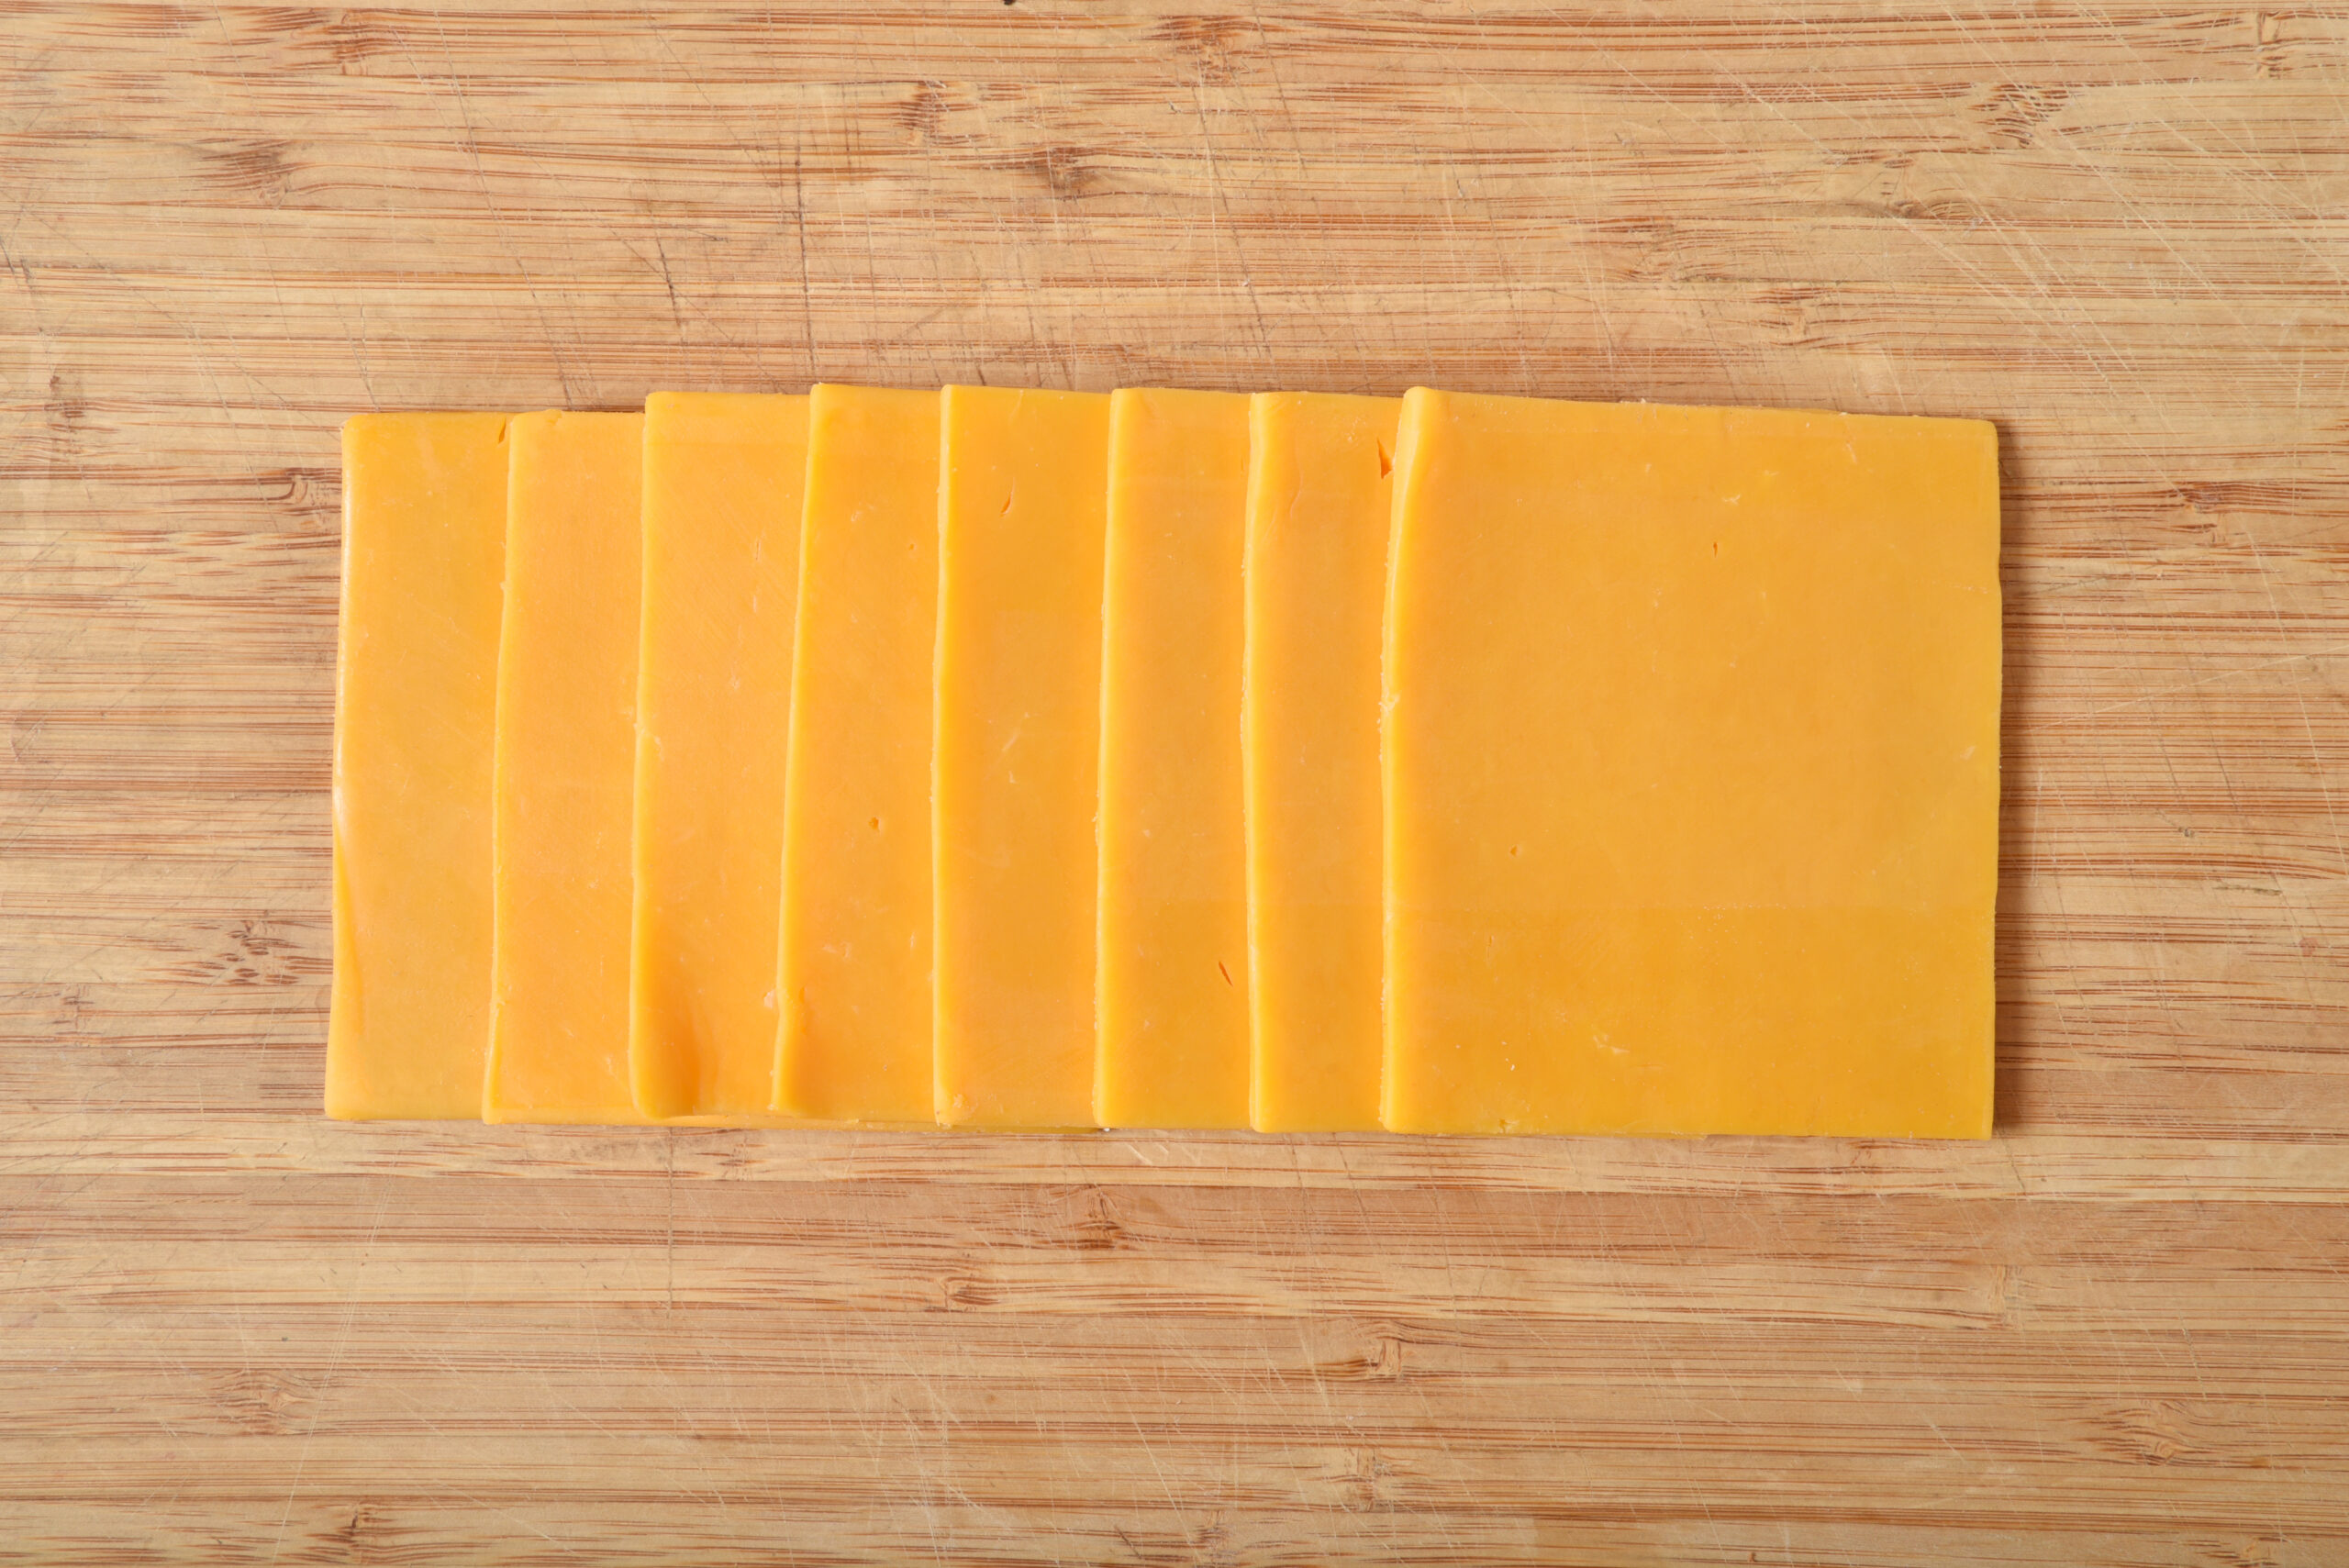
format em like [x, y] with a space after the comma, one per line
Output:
[1172, 985]
[1022, 490]
[855, 970]
[722, 479]
[1319, 497]
[1691, 761]
[566, 748]
[416, 701]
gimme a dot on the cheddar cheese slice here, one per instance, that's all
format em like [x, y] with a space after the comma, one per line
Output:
[1320, 496]
[415, 699]
[566, 748]
[1023, 485]
[722, 481]
[1172, 977]
[854, 973]
[1691, 771]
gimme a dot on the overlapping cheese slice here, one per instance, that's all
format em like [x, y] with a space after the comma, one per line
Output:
[416, 706]
[722, 508]
[1691, 771]
[854, 976]
[1023, 494]
[1173, 983]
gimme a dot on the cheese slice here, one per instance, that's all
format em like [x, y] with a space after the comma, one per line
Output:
[1691, 766]
[416, 700]
[722, 481]
[855, 969]
[1171, 985]
[1022, 491]
[566, 749]
[1320, 496]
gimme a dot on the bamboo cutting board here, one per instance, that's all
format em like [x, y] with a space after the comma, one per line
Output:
[2119, 1333]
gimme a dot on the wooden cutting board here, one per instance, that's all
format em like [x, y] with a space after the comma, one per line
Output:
[2118, 1333]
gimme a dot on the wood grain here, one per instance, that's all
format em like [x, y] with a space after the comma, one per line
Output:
[2119, 1333]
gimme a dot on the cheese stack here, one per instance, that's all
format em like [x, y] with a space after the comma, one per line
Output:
[1025, 760]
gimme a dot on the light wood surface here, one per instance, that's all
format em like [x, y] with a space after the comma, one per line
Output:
[2119, 1333]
